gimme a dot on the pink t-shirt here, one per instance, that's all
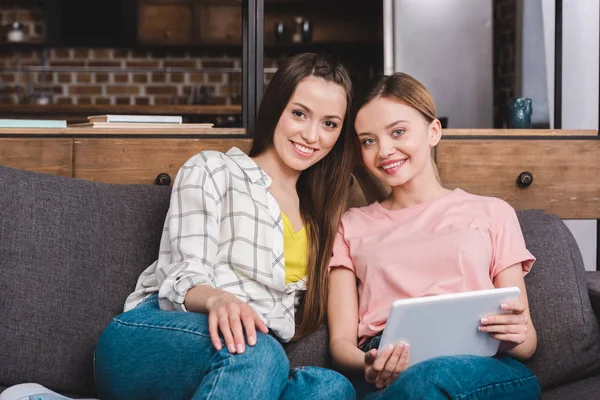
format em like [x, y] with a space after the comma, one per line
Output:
[456, 243]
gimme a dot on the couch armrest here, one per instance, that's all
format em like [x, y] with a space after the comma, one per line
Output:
[593, 280]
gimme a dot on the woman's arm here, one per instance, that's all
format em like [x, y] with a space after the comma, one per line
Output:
[187, 281]
[380, 369]
[342, 316]
[516, 330]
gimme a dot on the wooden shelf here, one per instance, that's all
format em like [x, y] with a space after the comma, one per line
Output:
[124, 109]
[132, 132]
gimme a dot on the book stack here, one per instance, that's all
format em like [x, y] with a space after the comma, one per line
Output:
[138, 121]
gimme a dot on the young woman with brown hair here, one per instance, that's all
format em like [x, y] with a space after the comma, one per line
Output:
[244, 252]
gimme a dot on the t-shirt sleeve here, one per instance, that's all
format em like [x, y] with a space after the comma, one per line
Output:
[341, 252]
[508, 243]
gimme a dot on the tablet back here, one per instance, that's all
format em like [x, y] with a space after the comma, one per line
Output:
[445, 325]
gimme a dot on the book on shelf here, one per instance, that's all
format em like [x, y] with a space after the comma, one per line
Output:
[135, 125]
[32, 123]
[148, 119]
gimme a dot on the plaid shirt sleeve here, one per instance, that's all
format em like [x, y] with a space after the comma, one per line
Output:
[193, 228]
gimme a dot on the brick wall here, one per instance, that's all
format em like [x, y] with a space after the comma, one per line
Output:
[123, 86]
[505, 66]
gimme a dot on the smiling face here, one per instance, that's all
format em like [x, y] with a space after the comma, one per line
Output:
[310, 123]
[396, 140]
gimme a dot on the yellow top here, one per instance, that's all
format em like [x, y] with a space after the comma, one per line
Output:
[295, 251]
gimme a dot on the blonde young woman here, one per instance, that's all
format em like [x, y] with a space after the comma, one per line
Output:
[423, 240]
[244, 253]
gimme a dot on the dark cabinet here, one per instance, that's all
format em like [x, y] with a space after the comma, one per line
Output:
[165, 21]
[189, 22]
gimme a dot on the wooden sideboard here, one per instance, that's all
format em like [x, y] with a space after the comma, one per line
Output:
[554, 170]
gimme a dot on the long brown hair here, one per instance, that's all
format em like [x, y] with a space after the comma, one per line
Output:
[322, 188]
[405, 89]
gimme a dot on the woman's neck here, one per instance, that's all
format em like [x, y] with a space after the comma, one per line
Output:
[281, 175]
[421, 189]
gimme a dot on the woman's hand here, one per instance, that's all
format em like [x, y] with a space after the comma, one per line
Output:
[227, 314]
[511, 327]
[382, 369]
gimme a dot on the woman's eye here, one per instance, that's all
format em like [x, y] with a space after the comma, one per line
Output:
[398, 133]
[331, 124]
[368, 142]
[298, 114]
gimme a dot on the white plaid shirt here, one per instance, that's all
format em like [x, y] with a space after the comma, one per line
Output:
[223, 229]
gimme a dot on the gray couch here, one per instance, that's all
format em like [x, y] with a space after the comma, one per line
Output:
[71, 251]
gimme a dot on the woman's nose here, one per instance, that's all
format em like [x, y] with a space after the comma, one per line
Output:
[310, 134]
[385, 151]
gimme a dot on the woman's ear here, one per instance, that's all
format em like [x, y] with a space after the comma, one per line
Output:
[435, 132]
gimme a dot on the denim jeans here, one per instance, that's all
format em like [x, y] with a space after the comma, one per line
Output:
[148, 353]
[455, 377]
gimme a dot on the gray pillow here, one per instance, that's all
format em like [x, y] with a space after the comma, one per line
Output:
[70, 253]
[568, 333]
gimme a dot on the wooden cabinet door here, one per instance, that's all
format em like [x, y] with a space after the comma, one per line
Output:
[141, 160]
[219, 21]
[165, 22]
[566, 172]
[50, 156]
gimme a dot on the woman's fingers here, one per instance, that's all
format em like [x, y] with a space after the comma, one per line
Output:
[514, 329]
[374, 362]
[262, 327]
[509, 337]
[249, 326]
[517, 307]
[382, 358]
[389, 368]
[225, 329]
[213, 330]
[370, 373]
[235, 325]
[505, 319]
[401, 366]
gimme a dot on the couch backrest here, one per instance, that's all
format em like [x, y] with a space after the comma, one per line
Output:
[567, 329]
[70, 253]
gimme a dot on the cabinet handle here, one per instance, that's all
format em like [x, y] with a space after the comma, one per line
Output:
[163, 179]
[525, 179]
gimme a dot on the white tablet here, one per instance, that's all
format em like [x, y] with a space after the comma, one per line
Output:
[446, 325]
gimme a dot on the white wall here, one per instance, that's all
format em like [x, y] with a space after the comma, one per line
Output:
[580, 93]
[447, 45]
[548, 17]
[533, 61]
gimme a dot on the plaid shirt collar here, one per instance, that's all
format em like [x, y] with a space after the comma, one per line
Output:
[250, 168]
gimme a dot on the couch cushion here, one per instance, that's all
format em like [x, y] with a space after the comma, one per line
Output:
[584, 389]
[568, 333]
[312, 350]
[70, 253]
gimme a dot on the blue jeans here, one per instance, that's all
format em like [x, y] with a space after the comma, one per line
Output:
[456, 377]
[147, 353]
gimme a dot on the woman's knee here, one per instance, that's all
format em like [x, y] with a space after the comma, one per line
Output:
[334, 385]
[267, 355]
[459, 376]
[318, 383]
